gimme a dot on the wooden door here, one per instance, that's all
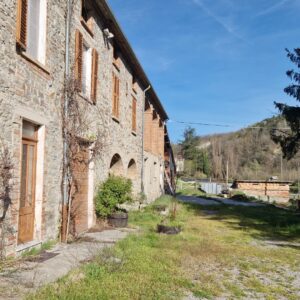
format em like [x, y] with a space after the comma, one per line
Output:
[28, 183]
[79, 209]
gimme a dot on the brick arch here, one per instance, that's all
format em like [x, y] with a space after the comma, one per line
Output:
[116, 165]
[132, 170]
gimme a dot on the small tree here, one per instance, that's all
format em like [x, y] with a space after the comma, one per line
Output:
[289, 140]
[113, 192]
[189, 143]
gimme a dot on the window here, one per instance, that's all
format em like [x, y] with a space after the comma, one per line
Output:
[134, 103]
[31, 28]
[86, 68]
[86, 16]
[116, 97]
[86, 71]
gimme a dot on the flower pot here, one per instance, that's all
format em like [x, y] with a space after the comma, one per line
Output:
[168, 229]
[118, 219]
[160, 207]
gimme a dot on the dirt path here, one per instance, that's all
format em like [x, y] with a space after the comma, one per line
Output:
[205, 201]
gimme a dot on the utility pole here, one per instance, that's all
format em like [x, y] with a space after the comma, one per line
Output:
[298, 196]
[227, 173]
[281, 169]
[298, 180]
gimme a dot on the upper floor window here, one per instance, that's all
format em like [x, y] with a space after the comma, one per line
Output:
[134, 104]
[86, 68]
[116, 96]
[31, 28]
[86, 16]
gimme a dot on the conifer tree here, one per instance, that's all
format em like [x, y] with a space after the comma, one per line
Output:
[289, 140]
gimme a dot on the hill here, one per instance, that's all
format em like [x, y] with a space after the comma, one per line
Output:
[250, 152]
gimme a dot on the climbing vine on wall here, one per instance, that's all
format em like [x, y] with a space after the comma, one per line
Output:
[83, 128]
[6, 185]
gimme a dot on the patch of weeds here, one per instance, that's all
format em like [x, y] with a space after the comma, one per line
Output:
[202, 294]
[6, 263]
[35, 251]
[48, 245]
[209, 286]
[31, 252]
[234, 289]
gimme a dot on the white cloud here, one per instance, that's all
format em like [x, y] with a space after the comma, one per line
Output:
[220, 20]
[272, 8]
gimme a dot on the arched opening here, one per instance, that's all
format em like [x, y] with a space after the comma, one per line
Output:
[116, 166]
[132, 170]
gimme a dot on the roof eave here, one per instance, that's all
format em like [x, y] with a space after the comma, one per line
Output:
[127, 51]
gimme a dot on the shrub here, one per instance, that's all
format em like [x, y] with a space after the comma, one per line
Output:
[114, 191]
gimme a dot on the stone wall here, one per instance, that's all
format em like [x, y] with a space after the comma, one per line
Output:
[32, 92]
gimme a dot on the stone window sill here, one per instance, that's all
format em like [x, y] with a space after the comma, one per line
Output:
[116, 119]
[35, 62]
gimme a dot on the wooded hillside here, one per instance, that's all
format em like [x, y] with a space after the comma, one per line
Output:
[250, 152]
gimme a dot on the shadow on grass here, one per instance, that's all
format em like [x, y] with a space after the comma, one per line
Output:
[263, 223]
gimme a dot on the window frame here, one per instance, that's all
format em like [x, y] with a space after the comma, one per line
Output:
[22, 30]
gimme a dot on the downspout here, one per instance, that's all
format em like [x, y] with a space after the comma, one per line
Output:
[64, 212]
[143, 133]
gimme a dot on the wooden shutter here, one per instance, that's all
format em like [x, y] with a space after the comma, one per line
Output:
[134, 114]
[116, 96]
[22, 24]
[94, 75]
[78, 58]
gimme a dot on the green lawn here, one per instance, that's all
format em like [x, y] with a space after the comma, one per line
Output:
[222, 251]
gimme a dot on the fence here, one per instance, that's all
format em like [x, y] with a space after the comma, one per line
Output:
[211, 187]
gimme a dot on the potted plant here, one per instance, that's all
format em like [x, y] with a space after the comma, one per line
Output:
[115, 191]
[169, 225]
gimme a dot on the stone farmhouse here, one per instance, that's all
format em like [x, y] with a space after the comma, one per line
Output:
[45, 45]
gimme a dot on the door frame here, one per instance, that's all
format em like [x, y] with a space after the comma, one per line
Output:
[30, 142]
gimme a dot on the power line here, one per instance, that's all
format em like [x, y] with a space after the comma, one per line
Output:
[225, 125]
[202, 124]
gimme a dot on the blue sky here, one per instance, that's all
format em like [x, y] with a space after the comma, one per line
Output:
[213, 61]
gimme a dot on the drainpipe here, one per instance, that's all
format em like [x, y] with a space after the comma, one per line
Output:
[64, 212]
[143, 129]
